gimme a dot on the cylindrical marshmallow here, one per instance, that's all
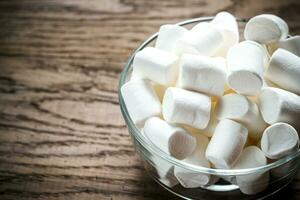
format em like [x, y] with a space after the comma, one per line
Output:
[164, 170]
[141, 100]
[210, 128]
[239, 108]
[255, 182]
[157, 65]
[204, 39]
[158, 88]
[168, 36]
[291, 44]
[278, 140]
[228, 26]
[189, 178]
[284, 70]
[172, 139]
[186, 107]
[226, 144]
[266, 28]
[134, 76]
[278, 105]
[245, 63]
[203, 74]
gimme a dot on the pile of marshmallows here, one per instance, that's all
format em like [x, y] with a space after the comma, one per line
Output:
[205, 98]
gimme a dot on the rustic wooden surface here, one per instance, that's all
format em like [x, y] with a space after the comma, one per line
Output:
[61, 132]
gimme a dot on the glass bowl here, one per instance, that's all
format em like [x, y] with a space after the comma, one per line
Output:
[223, 182]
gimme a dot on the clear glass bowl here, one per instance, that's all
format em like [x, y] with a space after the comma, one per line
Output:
[270, 178]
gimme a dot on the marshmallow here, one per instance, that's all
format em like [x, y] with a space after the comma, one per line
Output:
[159, 89]
[210, 129]
[266, 28]
[255, 182]
[189, 178]
[140, 100]
[171, 139]
[186, 107]
[134, 76]
[204, 39]
[228, 26]
[291, 44]
[164, 171]
[266, 83]
[168, 35]
[203, 74]
[284, 70]
[226, 143]
[278, 140]
[239, 108]
[157, 65]
[278, 105]
[245, 63]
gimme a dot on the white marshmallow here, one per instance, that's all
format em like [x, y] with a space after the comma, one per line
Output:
[159, 89]
[278, 140]
[162, 168]
[226, 143]
[203, 74]
[164, 171]
[239, 108]
[291, 44]
[140, 100]
[284, 70]
[186, 107]
[134, 76]
[204, 39]
[266, 28]
[255, 182]
[169, 179]
[157, 65]
[278, 105]
[227, 24]
[245, 63]
[210, 129]
[171, 139]
[168, 36]
[188, 178]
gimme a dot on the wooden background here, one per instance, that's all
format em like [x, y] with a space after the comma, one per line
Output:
[61, 132]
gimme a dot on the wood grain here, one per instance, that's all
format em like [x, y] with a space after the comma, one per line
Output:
[61, 132]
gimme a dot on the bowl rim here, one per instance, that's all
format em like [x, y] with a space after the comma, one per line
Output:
[135, 132]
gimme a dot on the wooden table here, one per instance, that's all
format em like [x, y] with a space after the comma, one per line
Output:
[61, 132]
